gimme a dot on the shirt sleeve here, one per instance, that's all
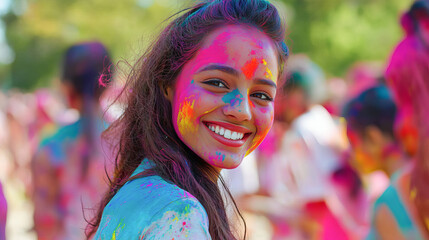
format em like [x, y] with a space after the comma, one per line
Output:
[180, 219]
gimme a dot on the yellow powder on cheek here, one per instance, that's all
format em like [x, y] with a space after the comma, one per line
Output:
[186, 116]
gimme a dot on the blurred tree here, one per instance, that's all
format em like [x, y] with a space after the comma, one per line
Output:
[46, 27]
[337, 33]
[334, 33]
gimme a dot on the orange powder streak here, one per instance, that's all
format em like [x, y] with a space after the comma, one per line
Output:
[259, 138]
[248, 99]
[250, 67]
[186, 114]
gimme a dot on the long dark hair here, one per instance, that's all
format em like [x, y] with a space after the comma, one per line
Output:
[145, 129]
[84, 65]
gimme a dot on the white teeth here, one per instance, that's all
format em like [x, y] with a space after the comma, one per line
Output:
[228, 134]
[234, 136]
[222, 131]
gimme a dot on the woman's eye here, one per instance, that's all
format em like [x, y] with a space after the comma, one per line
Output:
[262, 96]
[216, 83]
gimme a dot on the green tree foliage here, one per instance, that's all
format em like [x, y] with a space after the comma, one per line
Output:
[47, 27]
[335, 33]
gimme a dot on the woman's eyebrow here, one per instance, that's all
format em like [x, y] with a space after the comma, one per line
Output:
[265, 82]
[222, 68]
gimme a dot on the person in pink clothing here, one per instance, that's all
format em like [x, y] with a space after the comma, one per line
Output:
[3, 214]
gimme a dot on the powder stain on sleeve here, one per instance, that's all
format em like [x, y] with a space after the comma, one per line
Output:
[117, 230]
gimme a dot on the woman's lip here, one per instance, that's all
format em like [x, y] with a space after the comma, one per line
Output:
[228, 142]
[232, 127]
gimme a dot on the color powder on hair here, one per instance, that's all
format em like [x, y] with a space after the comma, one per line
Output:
[250, 67]
[101, 80]
[233, 98]
[186, 113]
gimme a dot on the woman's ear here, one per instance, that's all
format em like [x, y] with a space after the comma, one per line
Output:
[168, 93]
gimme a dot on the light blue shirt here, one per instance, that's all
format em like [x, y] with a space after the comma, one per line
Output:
[152, 208]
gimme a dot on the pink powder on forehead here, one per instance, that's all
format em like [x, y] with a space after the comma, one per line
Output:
[250, 67]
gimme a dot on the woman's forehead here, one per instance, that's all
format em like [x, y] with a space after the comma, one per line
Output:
[237, 45]
[238, 37]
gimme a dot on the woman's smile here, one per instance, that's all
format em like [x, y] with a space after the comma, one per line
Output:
[228, 134]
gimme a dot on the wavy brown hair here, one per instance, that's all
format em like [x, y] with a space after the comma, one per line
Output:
[145, 129]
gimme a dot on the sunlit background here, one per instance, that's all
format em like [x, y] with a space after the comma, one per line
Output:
[33, 33]
[338, 35]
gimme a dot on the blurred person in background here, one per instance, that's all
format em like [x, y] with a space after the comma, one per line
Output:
[3, 214]
[375, 147]
[406, 214]
[370, 128]
[298, 158]
[3, 139]
[69, 167]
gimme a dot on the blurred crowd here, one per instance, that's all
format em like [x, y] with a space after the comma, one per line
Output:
[346, 158]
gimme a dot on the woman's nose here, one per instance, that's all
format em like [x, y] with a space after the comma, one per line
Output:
[237, 106]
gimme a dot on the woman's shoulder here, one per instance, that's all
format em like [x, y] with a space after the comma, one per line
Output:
[153, 208]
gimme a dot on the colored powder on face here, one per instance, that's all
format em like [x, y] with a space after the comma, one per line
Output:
[257, 140]
[250, 67]
[268, 73]
[248, 99]
[260, 137]
[218, 157]
[233, 98]
[211, 110]
[184, 118]
[192, 82]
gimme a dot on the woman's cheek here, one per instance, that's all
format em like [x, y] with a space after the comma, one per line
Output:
[264, 117]
[186, 116]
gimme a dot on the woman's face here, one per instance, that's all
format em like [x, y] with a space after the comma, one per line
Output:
[222, 101]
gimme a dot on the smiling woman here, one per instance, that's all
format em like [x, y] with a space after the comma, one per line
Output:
[199, 100]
